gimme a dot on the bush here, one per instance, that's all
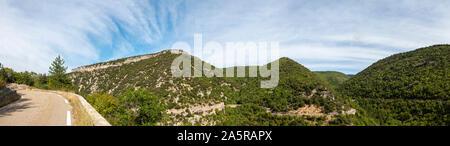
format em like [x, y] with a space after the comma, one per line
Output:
[41, 81]
[143, 106]
[2, 84]
[7, 75]
[132, 108]
[24, 78]
[104, 103]
[59, 84]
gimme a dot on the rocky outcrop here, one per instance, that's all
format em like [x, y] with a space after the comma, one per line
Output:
[120, 63]
[8, 95]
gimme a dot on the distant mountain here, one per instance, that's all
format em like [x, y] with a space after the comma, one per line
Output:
[333, 78]
[195, 100]
[410, 88]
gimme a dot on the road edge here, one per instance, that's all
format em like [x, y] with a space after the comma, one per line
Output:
[97, 119]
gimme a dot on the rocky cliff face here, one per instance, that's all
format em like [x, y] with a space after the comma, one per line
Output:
[120, 62]
[8, 95]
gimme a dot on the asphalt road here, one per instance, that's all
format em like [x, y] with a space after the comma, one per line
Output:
[36, 108]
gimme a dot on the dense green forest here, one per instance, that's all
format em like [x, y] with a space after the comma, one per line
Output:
[333, 78]
[410, 88]
[419, 74]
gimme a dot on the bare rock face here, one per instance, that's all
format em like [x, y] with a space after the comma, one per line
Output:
[120, 63]
[8, 95]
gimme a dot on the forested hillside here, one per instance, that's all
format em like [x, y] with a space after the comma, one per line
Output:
[419, 74]
[333, 78]
[410, 88]
[300, 97]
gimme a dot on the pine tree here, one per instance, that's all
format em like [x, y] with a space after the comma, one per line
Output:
[57, 69]
[2, 82]
[58, 77]
[2, 73]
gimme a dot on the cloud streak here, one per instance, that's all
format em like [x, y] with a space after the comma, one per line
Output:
[339, 35]
[345, 36]
[33, 33]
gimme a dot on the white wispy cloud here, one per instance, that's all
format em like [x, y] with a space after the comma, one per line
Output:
[345, 35]
[33, 33]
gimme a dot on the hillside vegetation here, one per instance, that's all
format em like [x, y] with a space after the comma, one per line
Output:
[410, 88]
[333, 78]
[418, 74]
[56, 79]
[211, 101]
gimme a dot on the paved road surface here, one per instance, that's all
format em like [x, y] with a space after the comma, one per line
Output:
[36, 108]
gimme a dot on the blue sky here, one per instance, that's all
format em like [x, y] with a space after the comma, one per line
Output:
[345, 36]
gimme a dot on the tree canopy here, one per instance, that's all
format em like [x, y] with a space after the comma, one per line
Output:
[58, 76]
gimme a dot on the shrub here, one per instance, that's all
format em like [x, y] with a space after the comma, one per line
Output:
[2, 84]
[104, 103]
[132, 108]
[145, 108]
[24, 78]
[41, 81]
[7, 75]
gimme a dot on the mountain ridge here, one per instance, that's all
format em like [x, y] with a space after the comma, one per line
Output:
[298, 87]
[406, 75]
[121, 61]
[409, 88]
[302, 97]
